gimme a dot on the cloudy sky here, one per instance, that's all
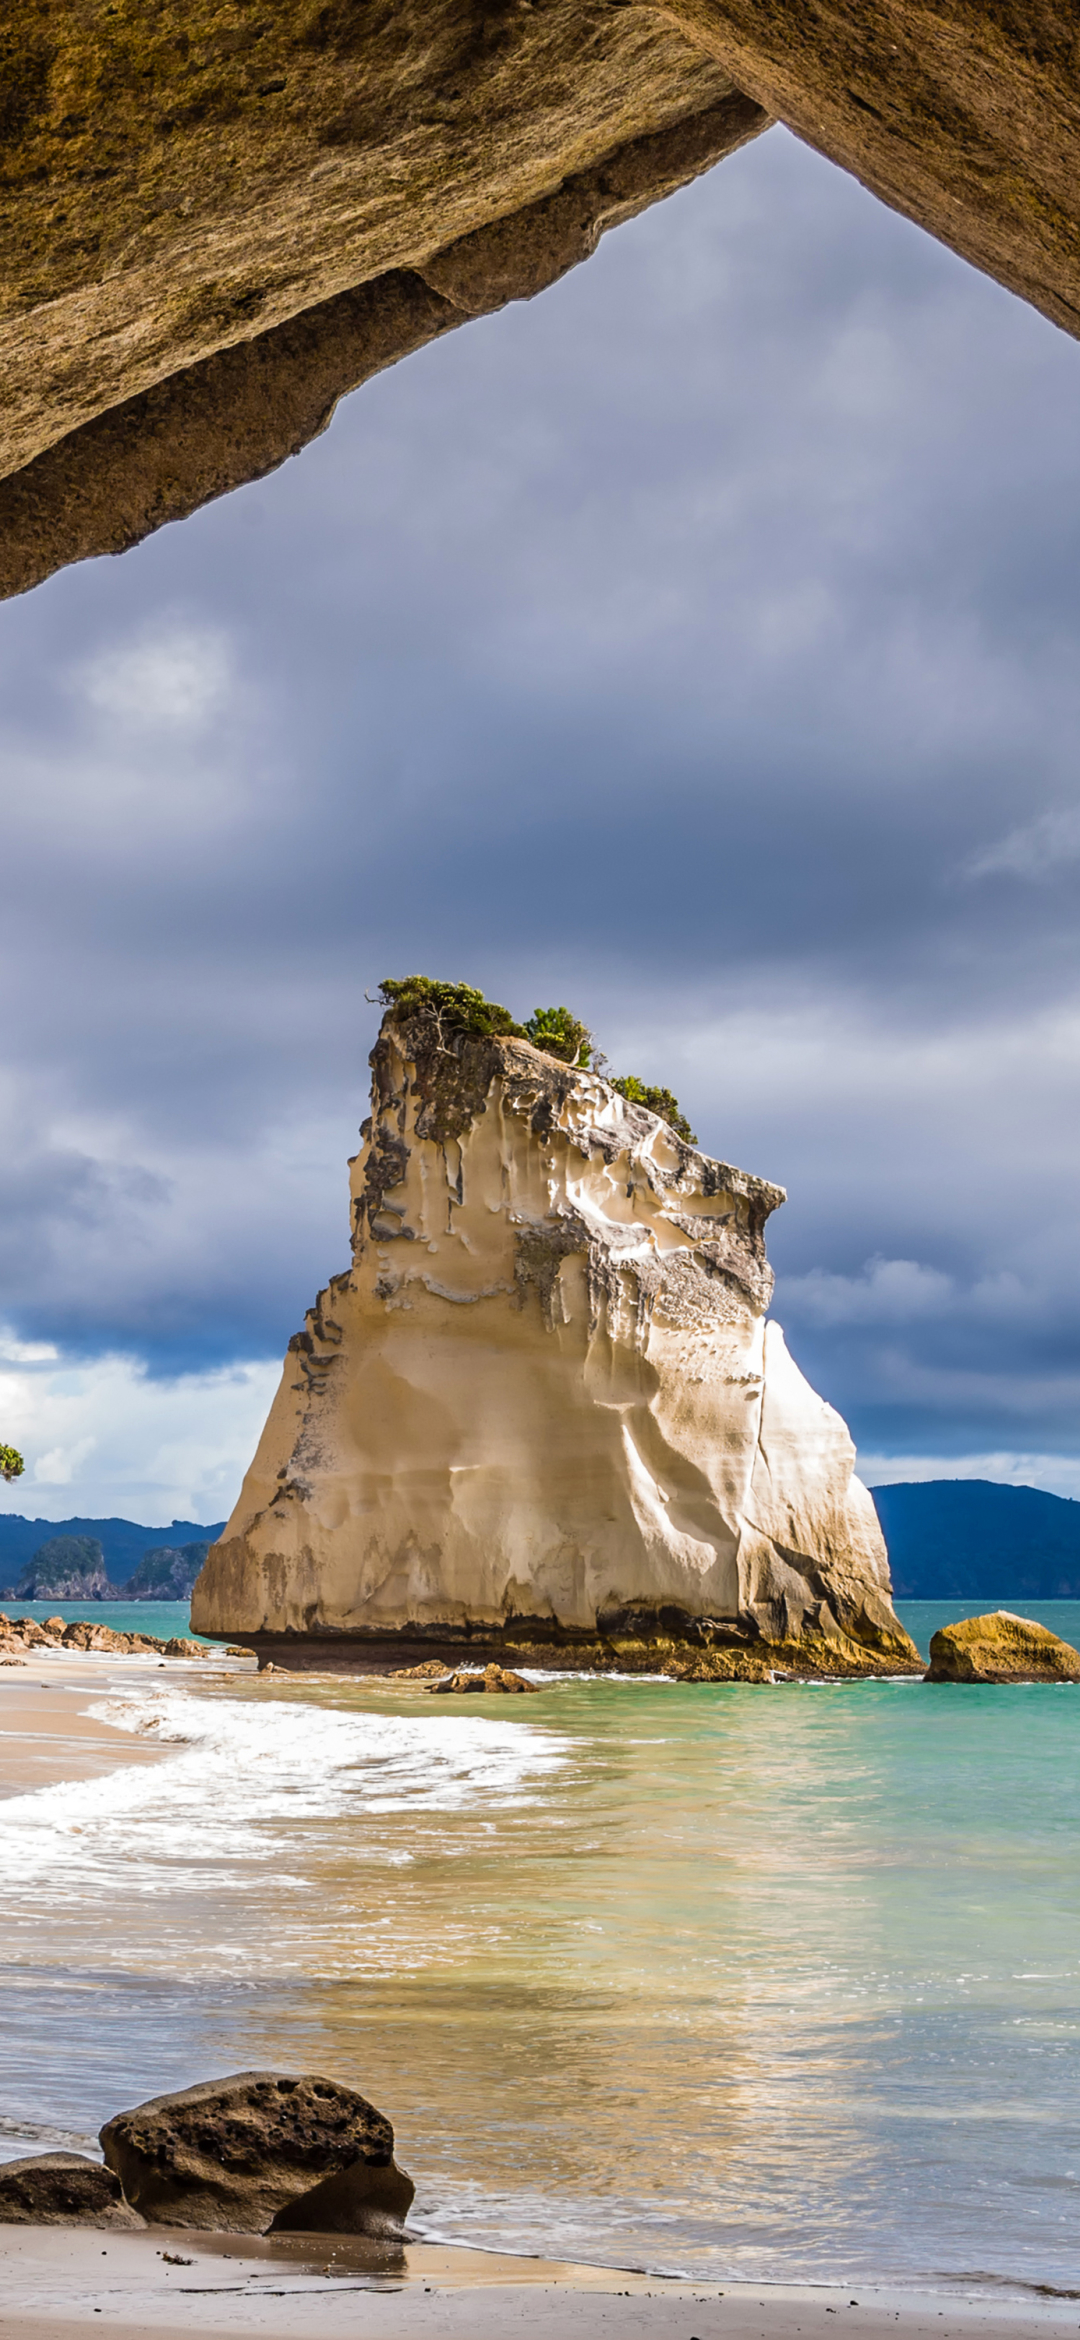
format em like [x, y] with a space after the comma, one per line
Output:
[695, 645]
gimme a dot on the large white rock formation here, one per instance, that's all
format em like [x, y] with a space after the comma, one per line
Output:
[544, 1404]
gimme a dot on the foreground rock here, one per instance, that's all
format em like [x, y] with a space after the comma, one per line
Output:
[1001, 1648]
[543, 1419]
[258, 2149]
[62, 2189]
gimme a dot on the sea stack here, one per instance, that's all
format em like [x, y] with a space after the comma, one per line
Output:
[544, 1410]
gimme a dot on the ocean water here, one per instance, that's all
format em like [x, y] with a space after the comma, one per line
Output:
[773, 1983]
[163, 1618]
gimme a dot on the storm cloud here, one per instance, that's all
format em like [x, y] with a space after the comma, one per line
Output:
[695, 644]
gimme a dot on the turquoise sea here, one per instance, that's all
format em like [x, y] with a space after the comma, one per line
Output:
[781, 1983]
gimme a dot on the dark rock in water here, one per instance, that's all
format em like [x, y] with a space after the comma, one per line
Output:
[494, 1678]
[233, 2154]
[66, 1568]
[1001, 1648]
[167, 1574]
[62, 2189]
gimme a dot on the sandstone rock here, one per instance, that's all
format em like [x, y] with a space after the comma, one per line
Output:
[428, 1671]
[231, 2154]
[179, 1647]
[62, 2189]
[199, 255]
[545, 1407]
[359, 2200]
[495, 1679]
[1001, 1648]
[718, 1665]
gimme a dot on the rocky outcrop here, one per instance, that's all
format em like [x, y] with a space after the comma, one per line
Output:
[166, 1574]
[215, 223]
[544, 1412]
[66, 1568]
[62, 2189]
[19, 1635]
[1001, 1648]
[260, 2149]
[495, 1680]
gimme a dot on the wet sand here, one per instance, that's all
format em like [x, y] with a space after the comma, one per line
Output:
[68, 2284]
[45, 1736]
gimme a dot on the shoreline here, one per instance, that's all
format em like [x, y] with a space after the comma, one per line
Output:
[65, 2282]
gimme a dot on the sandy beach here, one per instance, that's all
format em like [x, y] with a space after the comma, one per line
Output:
[61, 2282]
[47, 1736]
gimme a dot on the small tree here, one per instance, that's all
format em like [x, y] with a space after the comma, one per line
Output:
[12, 1465]
[561, 1034]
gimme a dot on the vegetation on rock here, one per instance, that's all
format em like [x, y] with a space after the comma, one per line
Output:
[561, 1034]
[12, 1465]
[659, 1101]
[460, 1007]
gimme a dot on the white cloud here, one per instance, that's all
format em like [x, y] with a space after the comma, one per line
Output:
[175, 679]
[888, 1291]
[1033, 851]
[121, 1444]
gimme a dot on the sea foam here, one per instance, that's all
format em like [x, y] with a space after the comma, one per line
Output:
[242, 1779]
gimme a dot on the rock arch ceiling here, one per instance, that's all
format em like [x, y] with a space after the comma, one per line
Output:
[218, 216]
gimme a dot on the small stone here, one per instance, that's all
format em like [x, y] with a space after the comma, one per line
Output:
[62, 2189]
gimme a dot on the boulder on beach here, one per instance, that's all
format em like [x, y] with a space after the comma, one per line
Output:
[235, 2154]
[1001, 1648]
[62, 2189]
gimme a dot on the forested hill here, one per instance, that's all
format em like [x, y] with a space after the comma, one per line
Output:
[123, 1541]
[972, 1540]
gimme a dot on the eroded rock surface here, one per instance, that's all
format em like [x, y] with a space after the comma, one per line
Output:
[1001, 1648]
[241, 2153]
[544, 1412]
[62, 2189]
[215, 221]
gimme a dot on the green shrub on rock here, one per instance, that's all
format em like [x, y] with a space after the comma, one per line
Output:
[659, 1101]
[460, 1007]
[12, 1465]
[561, 1034]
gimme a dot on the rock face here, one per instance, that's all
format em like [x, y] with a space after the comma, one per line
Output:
[62, 2189]
[260, 2148]
[167, 1574]
[1001, 1648]
[216, 222]
[66, 1568]
[544, 1409]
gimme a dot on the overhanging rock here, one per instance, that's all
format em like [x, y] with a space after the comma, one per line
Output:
[218, 219]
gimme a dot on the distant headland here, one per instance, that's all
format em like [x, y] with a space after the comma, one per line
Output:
[100, 1559]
